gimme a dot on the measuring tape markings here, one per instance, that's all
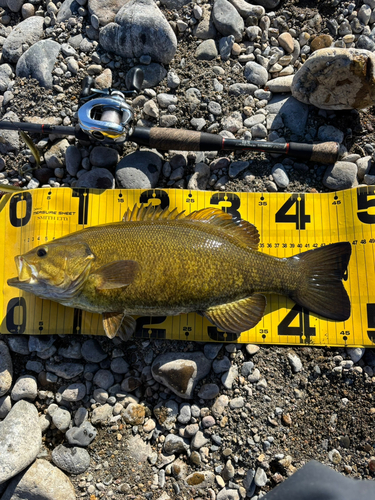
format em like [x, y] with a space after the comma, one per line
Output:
[297, 213]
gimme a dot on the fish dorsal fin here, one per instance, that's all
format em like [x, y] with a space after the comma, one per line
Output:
[151, 212]
[240, 230]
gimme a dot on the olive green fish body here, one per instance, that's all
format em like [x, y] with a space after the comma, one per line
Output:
[157, 262]
[183, 268]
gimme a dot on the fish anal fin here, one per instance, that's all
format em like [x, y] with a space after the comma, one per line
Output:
[127, 328]
[239, 316]
[116, 274]
[112, 323]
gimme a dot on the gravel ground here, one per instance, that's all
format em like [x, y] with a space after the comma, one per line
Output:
[285, 408]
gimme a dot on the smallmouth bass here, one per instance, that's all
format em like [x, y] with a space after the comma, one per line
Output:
[157, 262]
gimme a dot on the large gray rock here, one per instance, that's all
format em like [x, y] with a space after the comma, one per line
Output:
[255, 73]
[38, 62]
[341, 175]
[139, 170]
[336, 78]
[41, 481]
[26, 32]
[73, 460]
[227, 20]
[9, 139]
[140, 29]
[6, 369]
[20, 439]
[293, 113]
[206, 51]
[105, 10]
[67, 9]
[181, 371]
[98, 178]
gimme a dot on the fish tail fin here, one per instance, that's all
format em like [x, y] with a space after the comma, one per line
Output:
[320, 274]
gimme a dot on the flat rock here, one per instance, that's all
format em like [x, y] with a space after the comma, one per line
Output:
[9, 139]
[38, 62]
[206, 51]
[137, 449]
[105, 10]
[98, 178]
[341, 175]
[82, 435]
[41, 481]
[293, 113]
[335, 78]
[6, 369]
[25, 387]
[200, 177]
[255, 73]
[67, 10]
[140, 29]
[181, 371]
[227, 20]
[25, 34]
[139, 170]
[92, 351]
[203, 479]
[65, 370]
[73, 460]
[20, 439]
[280, 84]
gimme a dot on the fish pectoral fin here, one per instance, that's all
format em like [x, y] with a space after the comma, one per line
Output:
[239, 316]
[112, 323]
[127, 328]
[116, 274]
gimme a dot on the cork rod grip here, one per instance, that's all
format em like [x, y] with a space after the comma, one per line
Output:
[180, 140]
[325, 152]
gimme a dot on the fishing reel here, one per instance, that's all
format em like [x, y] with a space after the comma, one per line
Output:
[109, 117]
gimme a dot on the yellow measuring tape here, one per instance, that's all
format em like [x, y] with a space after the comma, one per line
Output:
[288, 224]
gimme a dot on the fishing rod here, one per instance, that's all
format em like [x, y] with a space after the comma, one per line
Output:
[109, 118]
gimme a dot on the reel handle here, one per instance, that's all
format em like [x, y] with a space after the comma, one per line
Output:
[87, 84]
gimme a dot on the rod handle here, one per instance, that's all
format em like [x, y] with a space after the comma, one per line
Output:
[180, 140]
[324, 152]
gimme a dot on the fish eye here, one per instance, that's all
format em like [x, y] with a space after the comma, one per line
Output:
[41, 252]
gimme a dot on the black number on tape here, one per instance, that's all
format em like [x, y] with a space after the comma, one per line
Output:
[12, 326]
[77, 321]
[13, 205]
[143, 331]
[371, 322]
[155, 194]
[83, 206]
[364, 203]
[302, 330]
[299, 218]
[232, 198]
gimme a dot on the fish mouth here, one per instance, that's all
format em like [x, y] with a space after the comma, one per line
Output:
[27, 273]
